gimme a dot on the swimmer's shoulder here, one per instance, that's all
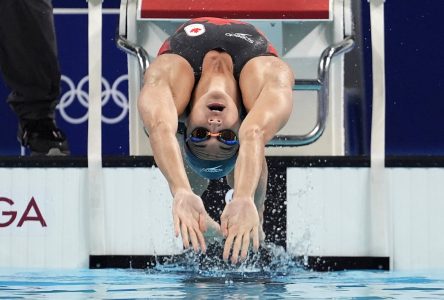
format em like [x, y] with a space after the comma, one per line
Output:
[171, 62]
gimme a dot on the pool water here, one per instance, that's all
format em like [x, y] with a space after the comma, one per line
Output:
[138, 284]
[194, 277]
[144, 284]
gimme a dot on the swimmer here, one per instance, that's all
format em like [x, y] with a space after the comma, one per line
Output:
[214, 96]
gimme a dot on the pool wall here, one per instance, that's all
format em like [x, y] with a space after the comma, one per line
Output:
[328, 212]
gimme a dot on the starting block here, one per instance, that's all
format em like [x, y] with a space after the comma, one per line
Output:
[306, 34]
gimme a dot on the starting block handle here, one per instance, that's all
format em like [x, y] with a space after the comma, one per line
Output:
[321, 85]
[139, 52]
[128, 47]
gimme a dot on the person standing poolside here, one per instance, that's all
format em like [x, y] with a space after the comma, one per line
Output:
[30, 68]
[222, 83]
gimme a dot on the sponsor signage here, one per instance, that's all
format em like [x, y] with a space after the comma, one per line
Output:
[12, 216]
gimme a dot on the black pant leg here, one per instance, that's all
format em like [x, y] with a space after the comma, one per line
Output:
[28, 57]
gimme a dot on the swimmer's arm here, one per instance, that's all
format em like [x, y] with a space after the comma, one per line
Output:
[270, 112]
[166, 91]
[159, 112]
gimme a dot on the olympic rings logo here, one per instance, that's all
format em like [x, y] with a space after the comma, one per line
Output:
[81, 95]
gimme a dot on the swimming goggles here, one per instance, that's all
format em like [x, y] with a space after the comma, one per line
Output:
[226, 136]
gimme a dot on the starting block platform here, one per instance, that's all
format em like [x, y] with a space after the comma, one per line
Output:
[284, 9]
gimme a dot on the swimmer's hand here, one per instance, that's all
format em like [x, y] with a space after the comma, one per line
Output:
[190, 219]
[239, 224]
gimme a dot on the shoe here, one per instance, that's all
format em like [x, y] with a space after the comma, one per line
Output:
[42, 137]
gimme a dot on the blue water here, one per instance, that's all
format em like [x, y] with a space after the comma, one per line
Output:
[197, 278]
[138, 284]
[156, 284]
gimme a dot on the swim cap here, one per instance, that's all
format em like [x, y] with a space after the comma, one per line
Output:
[211, 169]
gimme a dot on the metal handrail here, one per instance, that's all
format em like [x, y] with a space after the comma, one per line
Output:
[321, 85]
[137, 51]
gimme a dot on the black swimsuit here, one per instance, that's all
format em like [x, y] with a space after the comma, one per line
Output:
[195, 38]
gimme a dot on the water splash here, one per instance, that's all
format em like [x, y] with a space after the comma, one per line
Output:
[270, 261]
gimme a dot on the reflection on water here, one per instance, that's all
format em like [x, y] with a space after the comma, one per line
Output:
[202, 277]
[132, 284]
